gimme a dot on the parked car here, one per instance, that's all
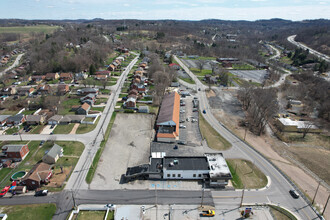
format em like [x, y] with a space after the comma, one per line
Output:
[175, 147]
[4, 191]
[195, 110]
[208, 213]
[182, 111]
[51, 133]
[204, 112]
[182, 142]
[41, 193]
[294, 193]
[42, 142]
[182, 126]
[182, 121]
[193, 120]
[188, 119]
[15, 133]
[51, 127]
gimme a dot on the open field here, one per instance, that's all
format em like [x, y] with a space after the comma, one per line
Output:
[85, 128]
[29, 212]
[28, 29]
[95, 215]
[246, 175]
[213, 138]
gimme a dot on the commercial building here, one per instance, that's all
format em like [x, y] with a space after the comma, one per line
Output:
[168, 118]
[210, 168]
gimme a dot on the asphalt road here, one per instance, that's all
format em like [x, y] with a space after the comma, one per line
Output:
[18, 58]
[314, 52]
[277, 192]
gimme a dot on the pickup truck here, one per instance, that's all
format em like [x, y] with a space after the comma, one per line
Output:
[208, 213]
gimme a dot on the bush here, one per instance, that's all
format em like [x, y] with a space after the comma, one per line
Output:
[129, 111]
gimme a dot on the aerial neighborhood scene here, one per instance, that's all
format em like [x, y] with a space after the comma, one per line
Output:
[143, 110]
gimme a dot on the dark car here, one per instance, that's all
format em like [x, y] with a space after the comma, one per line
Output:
[42, 142]
[294, 194]
[199, 89]
[175, 147]
[41, 193]
[51, 127]
[204, 112]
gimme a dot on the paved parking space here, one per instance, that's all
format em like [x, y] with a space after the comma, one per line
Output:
[191, 134]
[47, 129]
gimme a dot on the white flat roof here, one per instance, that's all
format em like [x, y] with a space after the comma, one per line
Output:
[218, 165]
[299, 124]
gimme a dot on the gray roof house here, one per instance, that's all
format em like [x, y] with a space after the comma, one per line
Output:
[3, 119]
[72, 119]
[55, 119]
[53, 154]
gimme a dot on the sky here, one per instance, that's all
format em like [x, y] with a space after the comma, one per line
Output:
[251, 10]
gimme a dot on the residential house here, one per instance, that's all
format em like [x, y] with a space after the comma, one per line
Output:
[111, 67]
[52, 76]
[54, 120]
[130, 102]
[66, 76]
[8, 91]
[44, 89]
[100, 77]
[37, 79]
[86, 91]
[90, 99]
[53, 154]
[15, 120]
[25, 91]
[3, 120]
[133, 92]
[134, 86]
[72, 119]
[35, 119]
[83, 110]
[14, 152]
[38, 175]
[104, 73]
[288, 125]
[62, 89]
[141, 88]
[80, 76]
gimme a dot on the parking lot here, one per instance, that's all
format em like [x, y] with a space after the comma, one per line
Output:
[193, 63]
[253, 75]
[189, 131]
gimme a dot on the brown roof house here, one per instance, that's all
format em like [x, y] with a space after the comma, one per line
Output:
[37, 79]
[52, 76]
[25, 91]
[83, 109]
[8, 91]
[53, 154]
[44, 89]
[14, 151]
[35, 119]
[66, 76]
[38, 175]
[63, 89]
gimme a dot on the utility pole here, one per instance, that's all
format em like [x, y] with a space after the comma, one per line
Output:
[246, 124]
[240, 205]
[325, 206]
[316, 192]
[156, 201]
[20, 137]
[74, 200]
[203, 189]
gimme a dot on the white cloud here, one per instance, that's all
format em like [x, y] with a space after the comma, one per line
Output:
[258, 0]
[50, 6]
[127, 5]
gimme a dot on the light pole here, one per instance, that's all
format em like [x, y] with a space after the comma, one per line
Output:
[316, 192]
[325, 206]
[203, 189]
[240, 205]
[246, 124]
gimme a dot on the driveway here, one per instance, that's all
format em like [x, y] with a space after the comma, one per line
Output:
[47, 129]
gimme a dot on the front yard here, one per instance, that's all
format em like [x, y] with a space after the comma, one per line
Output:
[63, 129]
[29, 212]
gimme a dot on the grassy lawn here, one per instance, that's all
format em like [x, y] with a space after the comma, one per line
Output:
[92, 169]
[198, 73]
[188, 80]
[85, 128]
[213, 138]
[246, 175]
[12, 130]
[98, 108]
[95, 215]
[243, 67]
[66, 106]
[281, 214]
[36, 129]
[28, 29]
[286, 60]
[100, 100]
[29, 212]
[63, 129]
[105, 91]
[28, 112]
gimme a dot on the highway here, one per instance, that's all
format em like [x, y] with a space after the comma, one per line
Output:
[277, 192]
[314, 52]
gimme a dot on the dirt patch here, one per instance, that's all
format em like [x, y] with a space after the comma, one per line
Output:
[210, 93]
[58, 178]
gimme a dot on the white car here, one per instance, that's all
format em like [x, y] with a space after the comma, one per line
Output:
[182, 111]
[182, 126]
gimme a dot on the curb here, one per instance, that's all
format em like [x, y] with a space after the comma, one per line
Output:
[269, 182]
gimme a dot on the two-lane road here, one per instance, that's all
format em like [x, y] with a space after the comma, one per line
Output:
[277, 193]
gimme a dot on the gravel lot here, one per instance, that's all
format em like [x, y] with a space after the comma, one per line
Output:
[128, 145]
[253, 75]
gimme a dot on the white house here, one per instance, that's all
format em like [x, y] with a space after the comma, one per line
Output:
[53, 154]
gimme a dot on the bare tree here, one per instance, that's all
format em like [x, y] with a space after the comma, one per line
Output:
[200, 64]
[308, 125]
[214, 66]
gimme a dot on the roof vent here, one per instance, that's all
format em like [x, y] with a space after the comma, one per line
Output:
[171, 164]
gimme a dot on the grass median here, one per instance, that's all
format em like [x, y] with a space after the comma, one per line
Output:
[246, 174]
[213, 138]
[92, 169]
